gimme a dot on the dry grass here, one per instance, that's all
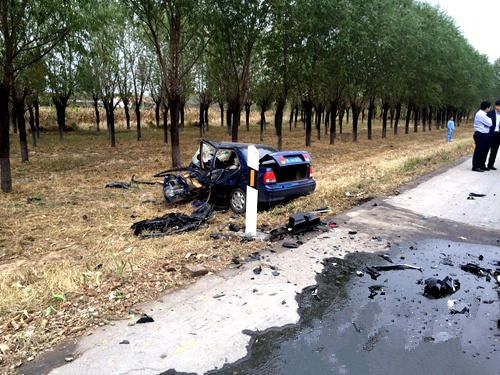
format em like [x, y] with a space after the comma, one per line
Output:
[70, 261]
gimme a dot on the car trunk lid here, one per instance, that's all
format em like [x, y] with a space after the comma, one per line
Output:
[288, 165]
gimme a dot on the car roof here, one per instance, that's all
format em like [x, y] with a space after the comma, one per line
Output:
[236, 145]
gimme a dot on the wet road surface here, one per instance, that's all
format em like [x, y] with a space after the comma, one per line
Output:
[400, 331]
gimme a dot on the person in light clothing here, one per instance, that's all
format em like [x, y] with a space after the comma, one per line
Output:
[451, 128]
[482, 125]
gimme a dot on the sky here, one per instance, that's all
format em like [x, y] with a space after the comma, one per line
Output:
[479, 21]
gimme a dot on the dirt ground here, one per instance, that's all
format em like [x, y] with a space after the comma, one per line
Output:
[69, 260]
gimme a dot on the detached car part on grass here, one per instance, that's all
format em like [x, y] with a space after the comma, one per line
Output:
[219, 171]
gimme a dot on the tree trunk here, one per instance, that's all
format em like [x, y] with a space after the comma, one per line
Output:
[319, 111]
[228, 120]
[96, 109]
[291, 118]
[202, 120]
[391, 114]
[32, 124]
[165, 123]
[127, 114]
[14, 120]
[138, 119]
[247, 115]
[236, 122]
[355, 116]
[221, 107]
[308, 106]
[61, 102]
[182, 116]
[396, 120]
[416, 112]
[206, 116]
[385, 110]
[278, 121]
[327, 121]
[341, 119]
[347, 115]
[333, 121]
[371, 111]
[6, 178]
[21, 124]
[175, 108]
[157, 113]
[262, 120]
[407, 120]
[37, 117]
[430, 118]
[261, 123]
[110, 119]
[424, 119]
[296, 115]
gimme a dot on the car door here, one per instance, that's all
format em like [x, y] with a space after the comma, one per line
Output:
[226, 169]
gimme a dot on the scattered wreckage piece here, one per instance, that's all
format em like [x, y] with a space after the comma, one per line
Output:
[474, 269]
[376, 289]
[298, 223]
[457, 307]
[397, 267]
[372, 272]
[133, 180]
[118, 185]
[145, 318]
[386, 257]
[303, 222]
[218, 235]
[436, 288]
[172, 223]
[476, 195]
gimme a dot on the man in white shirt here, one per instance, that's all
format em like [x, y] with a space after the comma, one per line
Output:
[494, 115]
[482, 125]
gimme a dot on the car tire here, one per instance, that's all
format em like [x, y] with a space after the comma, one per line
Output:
[237, 201]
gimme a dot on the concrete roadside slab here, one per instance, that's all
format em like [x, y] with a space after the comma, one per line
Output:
[445, 196]
[204, 326]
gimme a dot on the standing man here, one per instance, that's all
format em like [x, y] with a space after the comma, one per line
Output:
[494, 115]
[482, 125]
[451, 128]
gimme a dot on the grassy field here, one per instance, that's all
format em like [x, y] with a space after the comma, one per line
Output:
[68, 259]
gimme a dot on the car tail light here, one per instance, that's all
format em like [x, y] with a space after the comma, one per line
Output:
[269, 177]
[310, 172]
[306, 157]
[282, 159]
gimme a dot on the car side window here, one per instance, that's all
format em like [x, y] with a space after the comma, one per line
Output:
[227, 159]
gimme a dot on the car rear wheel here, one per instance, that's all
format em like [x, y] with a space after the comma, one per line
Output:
[237, 201]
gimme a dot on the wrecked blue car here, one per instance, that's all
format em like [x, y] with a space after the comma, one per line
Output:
[219, 172]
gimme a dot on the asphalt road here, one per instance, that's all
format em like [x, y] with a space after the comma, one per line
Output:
[311, 313]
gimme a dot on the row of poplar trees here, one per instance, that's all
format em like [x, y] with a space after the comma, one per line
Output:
[404, 57]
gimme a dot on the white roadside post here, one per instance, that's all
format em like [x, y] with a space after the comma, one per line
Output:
[252, 192]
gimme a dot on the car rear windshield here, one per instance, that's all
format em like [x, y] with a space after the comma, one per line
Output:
[263, 151]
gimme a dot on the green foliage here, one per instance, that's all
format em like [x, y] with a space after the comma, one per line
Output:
[120, 265]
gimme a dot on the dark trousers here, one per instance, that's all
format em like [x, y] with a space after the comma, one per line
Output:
[494, 144]
[482, 141]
